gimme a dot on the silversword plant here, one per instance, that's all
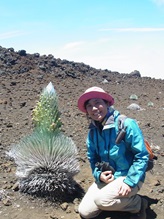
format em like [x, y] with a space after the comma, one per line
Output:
[46, 159]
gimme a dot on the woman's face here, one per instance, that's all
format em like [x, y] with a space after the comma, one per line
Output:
[97, 109]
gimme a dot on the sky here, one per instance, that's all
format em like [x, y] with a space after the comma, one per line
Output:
[118, 35]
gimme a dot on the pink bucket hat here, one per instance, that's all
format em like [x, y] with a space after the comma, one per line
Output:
[93, 92]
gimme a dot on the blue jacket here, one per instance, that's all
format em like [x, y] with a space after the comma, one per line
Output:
[129, 158]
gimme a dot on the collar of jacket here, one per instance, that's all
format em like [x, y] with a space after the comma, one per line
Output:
[109, 122]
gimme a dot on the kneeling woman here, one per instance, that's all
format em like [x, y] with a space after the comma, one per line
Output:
[112, 190]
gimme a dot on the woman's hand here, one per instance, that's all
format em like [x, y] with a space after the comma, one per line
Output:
[124, 189]
[106, 177]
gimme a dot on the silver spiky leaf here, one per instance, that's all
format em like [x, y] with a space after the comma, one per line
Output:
[46, 164]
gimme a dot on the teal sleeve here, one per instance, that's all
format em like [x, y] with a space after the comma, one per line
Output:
[93, 157]
[96, 174]
[135, 141]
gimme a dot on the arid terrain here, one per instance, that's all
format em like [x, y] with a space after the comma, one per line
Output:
[23, 77]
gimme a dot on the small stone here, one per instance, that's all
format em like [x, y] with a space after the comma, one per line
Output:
[64, 206]
[134, 106]
[15, 187]
[105, 81]
[6, 202]
[133, 97]
[150, 104]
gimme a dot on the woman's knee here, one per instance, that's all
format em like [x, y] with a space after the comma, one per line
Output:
[86, 215]
[81, 212]
[88, 212]
[103, 203]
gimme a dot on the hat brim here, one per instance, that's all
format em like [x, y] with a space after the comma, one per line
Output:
[93, 94]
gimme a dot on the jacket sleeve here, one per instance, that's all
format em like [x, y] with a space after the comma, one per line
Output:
[92, 155]
[135, 142]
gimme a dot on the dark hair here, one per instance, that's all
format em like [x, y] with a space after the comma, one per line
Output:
[86, 102]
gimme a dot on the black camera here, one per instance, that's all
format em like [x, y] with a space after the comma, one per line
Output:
[104, 166]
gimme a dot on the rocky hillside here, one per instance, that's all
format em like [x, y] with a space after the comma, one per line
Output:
[22, 78]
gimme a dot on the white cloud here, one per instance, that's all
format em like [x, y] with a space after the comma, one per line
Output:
[73, 45]
[145, 29]
[158, 2]
[103, 40]
[11, 34]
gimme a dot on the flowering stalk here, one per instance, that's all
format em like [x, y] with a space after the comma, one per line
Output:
[46, 114]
